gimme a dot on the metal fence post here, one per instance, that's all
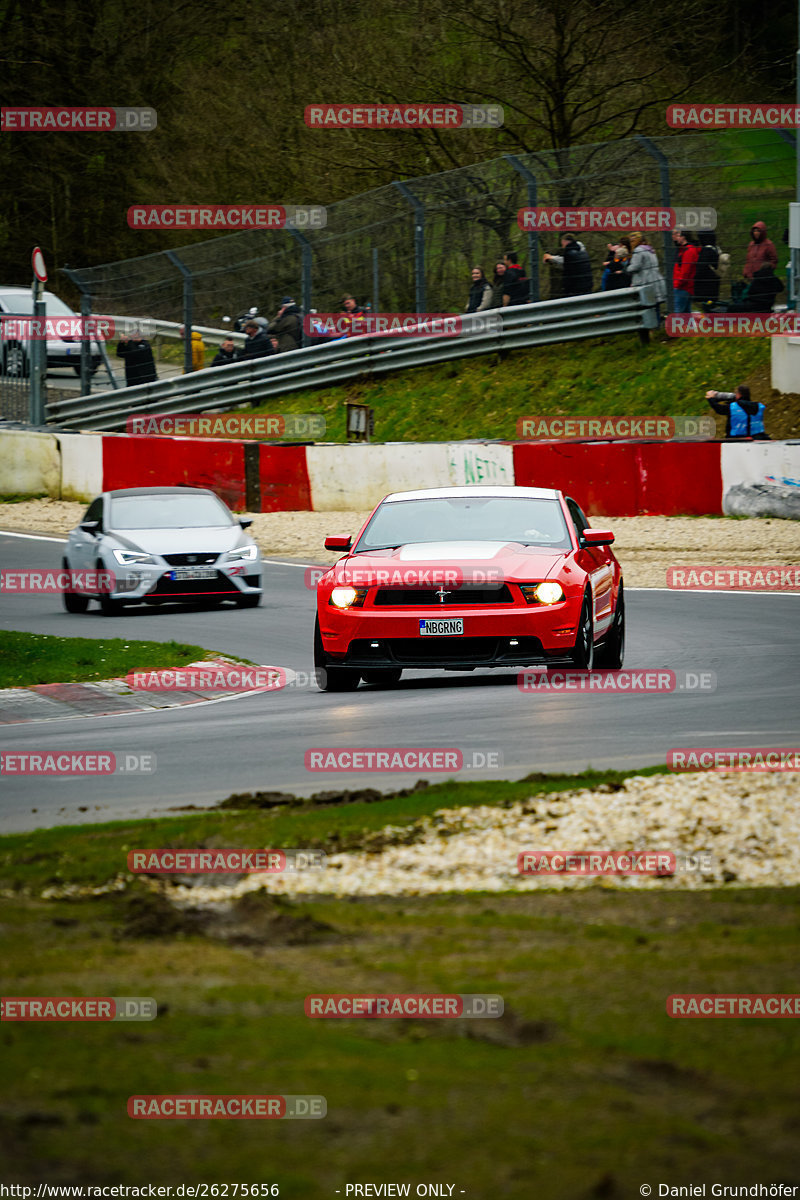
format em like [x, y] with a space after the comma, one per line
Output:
[86, 346]
[663, 171]
[305, 295]
[38, 359]
[188, 295]
[419, 243]
[375, 280]
[533, 235]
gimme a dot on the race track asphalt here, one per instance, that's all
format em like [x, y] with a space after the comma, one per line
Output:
[205, 752]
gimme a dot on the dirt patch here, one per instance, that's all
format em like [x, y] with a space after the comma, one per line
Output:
[255, 920]
[645, 546]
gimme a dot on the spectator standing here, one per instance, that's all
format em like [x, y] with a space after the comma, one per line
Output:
[500, 294]
[140, 365]
[760, 252]
[683, 272]
[198, 349]
[517, 281]
[480, 293]
[707, 274]
[351, 308]
[575, 264]
[287, 326]
[257, 344]
[226, 353]
[745, 417]
[642, 270]
[615, 266]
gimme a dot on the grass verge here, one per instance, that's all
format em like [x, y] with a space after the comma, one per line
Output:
[27, 659]
[584, 1088]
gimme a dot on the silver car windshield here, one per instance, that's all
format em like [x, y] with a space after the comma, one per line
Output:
[167, 512]
[532, 522]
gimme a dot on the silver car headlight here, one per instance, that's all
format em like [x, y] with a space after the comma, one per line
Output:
[244, 553]
[127, 558]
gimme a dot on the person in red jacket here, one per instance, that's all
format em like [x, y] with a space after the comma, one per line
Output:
[760, 253]
[686, 256]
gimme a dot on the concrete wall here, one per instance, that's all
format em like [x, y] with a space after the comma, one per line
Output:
[30, 463]
[81, 465]
[785, 355]
[752, 478]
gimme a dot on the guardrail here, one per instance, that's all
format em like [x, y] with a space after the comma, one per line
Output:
[220, 388]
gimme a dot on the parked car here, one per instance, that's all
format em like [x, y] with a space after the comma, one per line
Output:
[162, 544]
[61, 352]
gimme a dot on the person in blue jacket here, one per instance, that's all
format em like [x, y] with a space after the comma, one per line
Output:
[744, 417]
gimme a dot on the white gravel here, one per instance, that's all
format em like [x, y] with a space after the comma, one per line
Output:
[748, 824]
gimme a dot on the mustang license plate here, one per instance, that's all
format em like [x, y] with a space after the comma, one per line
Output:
[447, 628]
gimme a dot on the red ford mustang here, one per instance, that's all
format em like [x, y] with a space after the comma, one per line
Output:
[464, 577]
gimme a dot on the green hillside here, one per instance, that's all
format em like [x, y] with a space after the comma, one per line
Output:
[484, 397]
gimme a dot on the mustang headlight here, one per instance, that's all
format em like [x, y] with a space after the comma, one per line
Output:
[348, 597]
[243, 553]
[127, 558]
[542, 593]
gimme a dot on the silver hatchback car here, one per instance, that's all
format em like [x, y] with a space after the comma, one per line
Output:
[155, 545]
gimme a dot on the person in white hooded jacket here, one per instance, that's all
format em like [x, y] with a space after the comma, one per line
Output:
[643, 269]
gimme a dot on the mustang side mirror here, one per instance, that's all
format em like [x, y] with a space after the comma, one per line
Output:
[597, 537]
[245, 522]
[90, 526]
[338, 543]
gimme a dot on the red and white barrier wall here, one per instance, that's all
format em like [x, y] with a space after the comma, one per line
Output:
[607, 478]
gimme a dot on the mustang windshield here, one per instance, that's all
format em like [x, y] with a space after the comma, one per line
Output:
[530, 521]
[168, 511]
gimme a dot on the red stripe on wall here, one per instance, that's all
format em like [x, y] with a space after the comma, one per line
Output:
[284, 479]
[625, 479]
[170, 462]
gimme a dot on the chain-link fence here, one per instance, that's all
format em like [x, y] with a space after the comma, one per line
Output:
[411, 246]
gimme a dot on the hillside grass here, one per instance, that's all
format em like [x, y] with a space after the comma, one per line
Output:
[483, 397]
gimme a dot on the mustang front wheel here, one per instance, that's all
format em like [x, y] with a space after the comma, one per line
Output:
[331, 679]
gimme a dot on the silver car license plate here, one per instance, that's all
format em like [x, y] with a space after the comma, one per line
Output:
[441, 628]
[193, 573]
